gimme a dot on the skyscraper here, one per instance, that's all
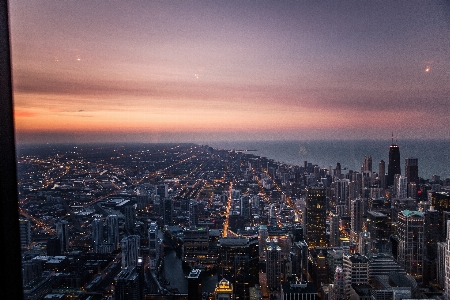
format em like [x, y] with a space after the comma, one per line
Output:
[412, 170]
[25, 233]
[193, 212]
[130, 251]
[97, 234]
[382, 174]
[411, 241]
[273, 265]
[394, 163]
[168, 211]
[153, 245]
[194, 285]
[238, 262]
[367, 166]
[112, 230]
[316, 215]
[130, 217]
[62, 231]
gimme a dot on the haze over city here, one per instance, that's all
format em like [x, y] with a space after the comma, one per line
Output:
[198, 71]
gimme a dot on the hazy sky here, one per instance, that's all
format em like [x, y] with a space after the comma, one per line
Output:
[218, 70]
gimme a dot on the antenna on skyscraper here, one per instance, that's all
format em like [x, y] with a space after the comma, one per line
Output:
[392, 138]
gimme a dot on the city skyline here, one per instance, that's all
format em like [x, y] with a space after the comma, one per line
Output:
[252, 70]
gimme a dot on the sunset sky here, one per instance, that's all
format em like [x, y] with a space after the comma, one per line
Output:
[214, 70]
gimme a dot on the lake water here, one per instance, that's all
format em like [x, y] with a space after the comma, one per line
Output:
[433, 155]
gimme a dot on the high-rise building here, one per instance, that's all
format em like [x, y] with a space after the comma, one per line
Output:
[432, 229]
[411, 241]
[316, 215]
[62, 232]
[54, 246]
[168, 211]
[194, 285]
[262, 240]
[356, 271]
[97, 234]
[154, 247]
[273, 265]
[130, 217]
[342, 191]
[334, 230]
[447, 261]
[338, 289]
[379, 228]
[382, 174]
[112, 231]
[127, 285]
[224, 290]
[356, 215]
[394, 163]
[193, 213]
[238, 262]
[162, 190]
[245, 206]
[441, 202]
[367, 166]
[196, 247]
[412, 170]
[25, 233]
[300, 260]
[130, 251]
[401, 187]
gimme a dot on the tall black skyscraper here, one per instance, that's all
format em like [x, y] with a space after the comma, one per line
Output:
[394, 163]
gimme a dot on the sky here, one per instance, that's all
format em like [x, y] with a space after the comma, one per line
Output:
[212, 70]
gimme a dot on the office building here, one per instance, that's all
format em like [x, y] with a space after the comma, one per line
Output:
[447, 261]
[410, 233]
[162, 190]
[367, 166]
[224, 290]
[300, 260]
[401, 186]
[154, 246]
[193, 213]
[97, 234]
[194, 285]
[356, 216]
[25, 233]
[412, 170]
[54, 246]
[112, 231]
[130, 251]
[382, 174]
[298, 290]
[168, 211]
[383, 264]
[196, 247]
[62, 232]
[130, 217]
[238, 262]
[127, 285]
[334, 230]
[356, 271]
[273, 265]
[338, 286]
[394, 163]
[379, 228]
[316, 214]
